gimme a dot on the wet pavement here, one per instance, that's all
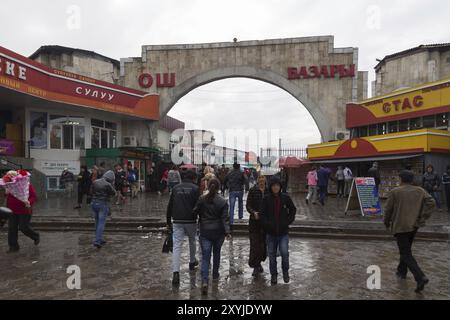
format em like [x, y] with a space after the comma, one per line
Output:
[149, 205]
[131, 266]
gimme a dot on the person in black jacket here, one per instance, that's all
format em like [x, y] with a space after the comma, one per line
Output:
[84, 185]
[212, 210]
[258, 252]
[235, 180]
[277, 213]
[182, 201]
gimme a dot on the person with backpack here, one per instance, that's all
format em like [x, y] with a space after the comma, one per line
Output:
[182, 201]
[323, 176]
[277, 213]
[212, 210]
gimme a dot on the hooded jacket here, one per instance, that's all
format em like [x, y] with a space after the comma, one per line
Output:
[213, 216]
[272, 224]
[430, 180]
[102, 189]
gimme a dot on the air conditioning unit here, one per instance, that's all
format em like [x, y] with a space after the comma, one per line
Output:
[129, 141]
[342, 135]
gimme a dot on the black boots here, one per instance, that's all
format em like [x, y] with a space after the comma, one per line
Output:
[273, 279]
[421, 284]
[286, 278]
[193, 265]
[176, 279]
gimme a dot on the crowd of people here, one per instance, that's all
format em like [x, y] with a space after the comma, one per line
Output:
[197, 205]
[318, 181]
[198, 209]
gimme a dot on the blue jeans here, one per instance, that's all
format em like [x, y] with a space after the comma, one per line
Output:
[323, 191]
[210, 247]
[281, 243]
[233, 196]
[101, 210]
[436, 197]
[179, 232]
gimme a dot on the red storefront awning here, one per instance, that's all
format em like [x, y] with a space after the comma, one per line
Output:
[31, 78]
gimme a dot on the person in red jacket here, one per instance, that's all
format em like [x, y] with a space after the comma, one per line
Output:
[20, 219]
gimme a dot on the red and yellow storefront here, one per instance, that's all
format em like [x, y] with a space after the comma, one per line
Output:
[53, 116]
[405, 128]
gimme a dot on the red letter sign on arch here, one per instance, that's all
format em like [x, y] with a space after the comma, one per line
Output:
[145, 80]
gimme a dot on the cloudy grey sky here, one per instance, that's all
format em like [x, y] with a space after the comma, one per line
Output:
[118, 28]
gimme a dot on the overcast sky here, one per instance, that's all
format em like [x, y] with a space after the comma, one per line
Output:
[118, 28]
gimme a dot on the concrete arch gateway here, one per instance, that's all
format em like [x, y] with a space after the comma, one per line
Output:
[319, 76]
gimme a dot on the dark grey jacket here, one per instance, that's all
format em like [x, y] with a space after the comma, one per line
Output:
[213, 216]
[102, 189]
[235, 180]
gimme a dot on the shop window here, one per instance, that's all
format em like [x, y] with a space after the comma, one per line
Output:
[415, 123]
[66, 132]
[442, 121]
[393, 126]
[38, 130]
[52, 183]
[382, 128]
[403, 125]
[429, 121]
[363, 131]
[95, 138]
[373, 130]
[104, 134]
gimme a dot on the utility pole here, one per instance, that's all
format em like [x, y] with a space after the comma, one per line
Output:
[279, 148]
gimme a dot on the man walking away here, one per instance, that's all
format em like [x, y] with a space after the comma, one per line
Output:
[348, 177]
[236, 181]
[182, 201]
[323, 175]
[340, 178]
[102, 191]
[446, 183]
[277, 213]
[406, 210]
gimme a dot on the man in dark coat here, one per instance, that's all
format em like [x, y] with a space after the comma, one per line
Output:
[374, 172]
[84, 185]
[277, 213]
[258, 252]
[323, 175]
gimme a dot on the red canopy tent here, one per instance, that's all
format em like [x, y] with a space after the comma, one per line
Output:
[291, 162]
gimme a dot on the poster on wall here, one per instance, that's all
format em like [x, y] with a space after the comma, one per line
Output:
[55, 167]
[38, 130]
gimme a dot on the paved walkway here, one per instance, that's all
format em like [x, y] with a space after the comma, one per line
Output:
[132, 266]
[154, 206]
